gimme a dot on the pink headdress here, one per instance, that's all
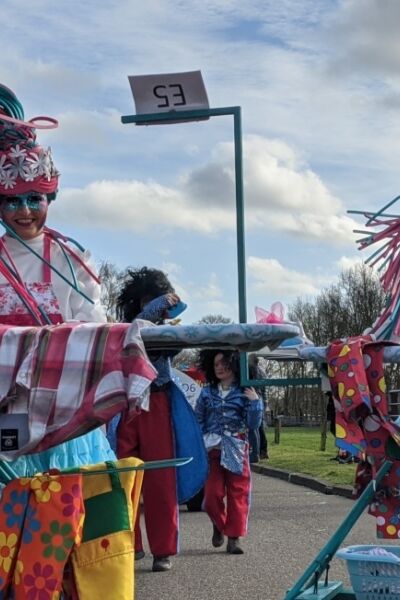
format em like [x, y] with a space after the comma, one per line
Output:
[24, 165]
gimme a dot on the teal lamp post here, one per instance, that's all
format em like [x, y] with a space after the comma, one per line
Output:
[175, 116]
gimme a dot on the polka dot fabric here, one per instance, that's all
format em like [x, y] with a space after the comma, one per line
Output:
[363, 427]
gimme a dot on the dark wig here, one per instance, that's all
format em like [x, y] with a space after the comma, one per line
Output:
[206, 363]
[141, 286]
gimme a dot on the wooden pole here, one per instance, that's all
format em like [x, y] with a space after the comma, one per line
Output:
[324, 425]
[277, 425]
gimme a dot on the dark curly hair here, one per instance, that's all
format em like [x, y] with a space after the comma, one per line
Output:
[206, 363]
[140, 286]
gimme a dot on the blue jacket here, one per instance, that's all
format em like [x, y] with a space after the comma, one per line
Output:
[227, 421]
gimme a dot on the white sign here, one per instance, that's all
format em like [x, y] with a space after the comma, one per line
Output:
[189, 386]
[168, 92]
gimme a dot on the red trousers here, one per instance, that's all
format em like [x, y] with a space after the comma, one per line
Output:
[149, 436]
[231, 518]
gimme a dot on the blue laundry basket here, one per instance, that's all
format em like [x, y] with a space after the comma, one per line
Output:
[373, 577]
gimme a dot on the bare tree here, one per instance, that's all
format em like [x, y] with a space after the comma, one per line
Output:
[186, 358]
[343, 309]
[214, 319]
[111, 278]
[346, 308]
[190, 356]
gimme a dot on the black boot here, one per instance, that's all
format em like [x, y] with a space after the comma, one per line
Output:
[161, 563]
[217, 538]
[233, 546]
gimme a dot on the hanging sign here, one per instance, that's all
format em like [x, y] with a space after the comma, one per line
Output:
[170, 92]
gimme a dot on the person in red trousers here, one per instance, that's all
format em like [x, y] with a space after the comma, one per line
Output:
[168, 429]
[225, 412]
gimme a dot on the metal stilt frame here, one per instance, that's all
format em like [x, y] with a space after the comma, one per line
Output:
[308, 587]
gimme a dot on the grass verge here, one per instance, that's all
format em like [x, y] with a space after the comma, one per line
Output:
[299, 452]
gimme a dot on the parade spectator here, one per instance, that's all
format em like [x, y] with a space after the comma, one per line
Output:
[257, 437]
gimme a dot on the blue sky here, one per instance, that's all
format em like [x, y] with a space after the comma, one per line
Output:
[318, 83]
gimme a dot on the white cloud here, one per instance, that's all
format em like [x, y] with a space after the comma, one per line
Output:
[271, 278]
[281, 194]
[173, 269]
[281, 76]
[365, 34]
[271, 281]
[348, 262]
[203, 296]
[219, 307]
[137, 207]
[93, 127]
[211, 292]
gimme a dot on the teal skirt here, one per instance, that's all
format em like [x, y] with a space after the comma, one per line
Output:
[88, 449]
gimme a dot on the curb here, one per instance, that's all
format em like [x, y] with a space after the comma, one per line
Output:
[346, 491]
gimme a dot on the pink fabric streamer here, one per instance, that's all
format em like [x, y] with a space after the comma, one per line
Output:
[275, 315]
[387, 260]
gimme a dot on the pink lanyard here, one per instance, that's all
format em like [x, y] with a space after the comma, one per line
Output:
[15, 280]
[12, 275]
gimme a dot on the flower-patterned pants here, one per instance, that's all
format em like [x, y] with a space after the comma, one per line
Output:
[40, 521]
[49, 519]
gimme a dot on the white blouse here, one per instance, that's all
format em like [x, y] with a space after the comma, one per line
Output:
[73, 306]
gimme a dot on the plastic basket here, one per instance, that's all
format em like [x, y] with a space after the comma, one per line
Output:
[373, 577]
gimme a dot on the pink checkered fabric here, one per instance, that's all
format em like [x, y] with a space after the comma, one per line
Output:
[73, 377]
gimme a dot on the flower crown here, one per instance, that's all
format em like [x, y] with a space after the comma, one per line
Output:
[24, 165]
[27, 165]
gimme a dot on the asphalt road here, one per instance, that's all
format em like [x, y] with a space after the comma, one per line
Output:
[289, 524]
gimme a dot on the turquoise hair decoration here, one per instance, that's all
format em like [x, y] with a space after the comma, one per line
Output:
[11, 111]
[10, 103]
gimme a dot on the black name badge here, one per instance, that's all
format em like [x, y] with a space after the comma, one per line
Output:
[8, 439]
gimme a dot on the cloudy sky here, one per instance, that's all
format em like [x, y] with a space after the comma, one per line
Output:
[318, 83]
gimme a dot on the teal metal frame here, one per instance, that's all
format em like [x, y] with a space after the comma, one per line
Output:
[308, 586]
[283, 382]
[201, 115]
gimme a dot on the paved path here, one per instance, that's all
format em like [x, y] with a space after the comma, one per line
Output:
[289, 524]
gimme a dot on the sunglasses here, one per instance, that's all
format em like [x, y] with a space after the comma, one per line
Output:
[33, 201]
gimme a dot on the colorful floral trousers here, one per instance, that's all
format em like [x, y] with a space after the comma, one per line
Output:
[40, 523]
[70, 532]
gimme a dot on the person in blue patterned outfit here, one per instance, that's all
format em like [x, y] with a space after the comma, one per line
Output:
[226, 412]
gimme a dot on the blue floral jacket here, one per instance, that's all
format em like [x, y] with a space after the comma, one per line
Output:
[224, 423]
